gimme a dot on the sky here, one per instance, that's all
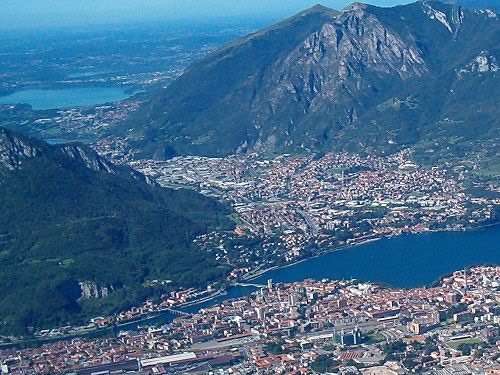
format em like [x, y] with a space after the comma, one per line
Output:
[56, 13]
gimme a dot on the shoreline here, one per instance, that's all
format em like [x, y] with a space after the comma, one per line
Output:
[365, 242]
[221, 292]
[336, 249]
[224, 291]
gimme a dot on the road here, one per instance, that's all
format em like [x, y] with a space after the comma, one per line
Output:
[308, 221]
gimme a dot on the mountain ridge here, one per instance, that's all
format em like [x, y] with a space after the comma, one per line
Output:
[14, 147]
[476, 4]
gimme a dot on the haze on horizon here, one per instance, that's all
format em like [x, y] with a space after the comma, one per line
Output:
[29, 14]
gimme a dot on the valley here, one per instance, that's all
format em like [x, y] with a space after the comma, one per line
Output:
[230, 194]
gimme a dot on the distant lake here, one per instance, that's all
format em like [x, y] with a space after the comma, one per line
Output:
[51, 99]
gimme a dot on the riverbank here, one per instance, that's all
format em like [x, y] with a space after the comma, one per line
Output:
[202, 300]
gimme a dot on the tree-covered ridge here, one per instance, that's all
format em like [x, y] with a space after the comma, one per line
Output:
[62, 223]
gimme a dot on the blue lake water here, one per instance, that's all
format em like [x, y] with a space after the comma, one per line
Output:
[406, 261]
[50, 99]
[86, 74]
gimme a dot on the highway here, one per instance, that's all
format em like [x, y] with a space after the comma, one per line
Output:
[308, 221]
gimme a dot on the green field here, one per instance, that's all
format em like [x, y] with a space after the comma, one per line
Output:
[374, 338]
[471, 341]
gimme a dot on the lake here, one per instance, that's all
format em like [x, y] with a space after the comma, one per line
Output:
[406, 261]
[62, 98]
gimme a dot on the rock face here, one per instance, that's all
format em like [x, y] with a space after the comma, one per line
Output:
[329, 73]
[476, 4]
[483, 63]
[93, 161]
[14, 148]
[90, 290]
[303, 83]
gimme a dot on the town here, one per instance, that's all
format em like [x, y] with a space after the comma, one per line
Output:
[289, 208]
[299, 206]
[336, 326]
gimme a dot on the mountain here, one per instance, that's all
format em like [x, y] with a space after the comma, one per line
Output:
[80, 236]
[477, 4]
[364, 79]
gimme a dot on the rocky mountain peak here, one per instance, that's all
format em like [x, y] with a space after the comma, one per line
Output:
[450, 17]
[318, 8]
[92, 160]
[302, 82]
[355, 7]
[87, 156]
[14, 148]
[339, 55]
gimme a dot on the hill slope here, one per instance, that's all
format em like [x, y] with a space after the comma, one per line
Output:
[72, 221]
[476, 4]
[315, 82]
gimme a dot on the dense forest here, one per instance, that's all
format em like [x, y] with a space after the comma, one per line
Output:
[63, 223]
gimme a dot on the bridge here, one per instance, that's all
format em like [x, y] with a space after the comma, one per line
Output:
[246, 285]
[176, 312]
